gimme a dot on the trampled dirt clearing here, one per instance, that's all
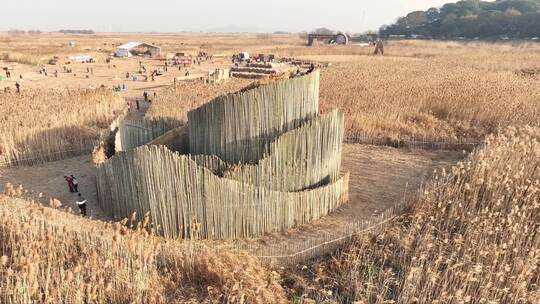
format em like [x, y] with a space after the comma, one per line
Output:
[380, 177]
[48, 179]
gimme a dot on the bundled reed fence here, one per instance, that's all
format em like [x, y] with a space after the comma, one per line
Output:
[133, 133]
[32, 157]
[262, 160]
[236, 127]
[411, 143]
[303, 158]
[185, 198]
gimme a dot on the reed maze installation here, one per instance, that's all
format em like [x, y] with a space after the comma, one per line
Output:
[257, 161]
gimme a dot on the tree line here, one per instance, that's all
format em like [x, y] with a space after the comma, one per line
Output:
[88, 32]
[471, 19]
[37, 32]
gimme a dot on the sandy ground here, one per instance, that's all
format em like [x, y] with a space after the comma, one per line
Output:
[103, 75]
[379, 178]
[48, 179]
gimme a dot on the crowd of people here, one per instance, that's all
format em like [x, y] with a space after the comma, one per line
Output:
[144, 73]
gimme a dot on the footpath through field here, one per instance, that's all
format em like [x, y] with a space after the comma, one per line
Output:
[380, 178]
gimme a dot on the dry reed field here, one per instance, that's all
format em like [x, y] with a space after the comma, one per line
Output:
[50, 257]
[42, 125]
[471, 237]
[176, 100]
[445, 91]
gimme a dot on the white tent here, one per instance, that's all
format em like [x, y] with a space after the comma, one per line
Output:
[124, 49]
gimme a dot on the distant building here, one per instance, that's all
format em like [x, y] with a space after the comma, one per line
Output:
[138, 49]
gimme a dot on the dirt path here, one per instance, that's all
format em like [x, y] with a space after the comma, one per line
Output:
[379, 178]
[133, 112]
[48, 179]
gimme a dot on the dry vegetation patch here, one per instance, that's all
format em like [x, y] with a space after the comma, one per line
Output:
[40, 123]
[176, 101]
[472, 236]
[49, 256]
[435, 99]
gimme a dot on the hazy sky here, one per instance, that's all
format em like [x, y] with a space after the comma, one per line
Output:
[197, 15]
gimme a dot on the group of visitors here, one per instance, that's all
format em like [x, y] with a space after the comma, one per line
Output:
[118, 88]
[73, 186]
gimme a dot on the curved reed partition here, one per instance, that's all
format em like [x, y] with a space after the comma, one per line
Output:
[261, 161]
[237, 126]
[133, 133]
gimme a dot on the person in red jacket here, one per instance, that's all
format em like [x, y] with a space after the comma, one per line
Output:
[69, 181]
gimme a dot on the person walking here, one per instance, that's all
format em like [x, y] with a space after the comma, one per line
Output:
[70, 183]
[379, 48]
[18, 86]
[75, 183]
[81, 203]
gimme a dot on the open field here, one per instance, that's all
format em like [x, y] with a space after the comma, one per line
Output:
[445, 91]
[469, 219]
[47, 124]
[423, 89]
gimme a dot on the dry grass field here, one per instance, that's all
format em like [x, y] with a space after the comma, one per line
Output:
[49, 256]
[470, 237]
[37, 124]
[175, 101]
[445, 91]
[434, 90]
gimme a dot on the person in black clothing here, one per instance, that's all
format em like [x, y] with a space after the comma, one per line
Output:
[18, 87]
[81, 203]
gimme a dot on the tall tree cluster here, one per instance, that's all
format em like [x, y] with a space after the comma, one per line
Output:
[470, 19]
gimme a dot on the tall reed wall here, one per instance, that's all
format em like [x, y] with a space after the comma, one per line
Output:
[236, 127]
[187, 199]
[133, 133]
[261, 161]
[300, 159]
